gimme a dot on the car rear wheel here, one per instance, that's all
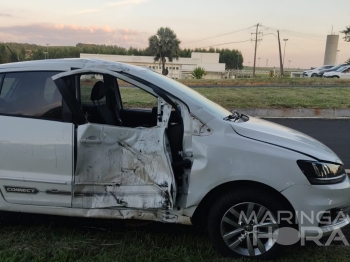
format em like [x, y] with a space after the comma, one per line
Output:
[335, 76]
[244, 224]
[314, 75]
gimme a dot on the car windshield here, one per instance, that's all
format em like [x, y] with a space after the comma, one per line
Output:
[336, 67]
[341, 69]
[214, 108]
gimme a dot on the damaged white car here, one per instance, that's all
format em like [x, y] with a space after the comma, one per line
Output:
[71, 145]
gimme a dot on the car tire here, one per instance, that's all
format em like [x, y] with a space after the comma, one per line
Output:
[335, 76]
[233, 236]
[314, 75]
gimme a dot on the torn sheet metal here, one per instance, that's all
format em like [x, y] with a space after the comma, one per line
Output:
[170, 216]
[123, 167]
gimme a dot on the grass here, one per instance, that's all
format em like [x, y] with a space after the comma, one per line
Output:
[45, 238]
[257, 97]
[299, 93]
[25, 237]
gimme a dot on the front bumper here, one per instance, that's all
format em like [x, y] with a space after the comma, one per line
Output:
[327, 230]
[312, 202]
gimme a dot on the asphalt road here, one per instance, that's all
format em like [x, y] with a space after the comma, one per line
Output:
[334, 133]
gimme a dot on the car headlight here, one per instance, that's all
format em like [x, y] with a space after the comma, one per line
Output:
[322, 173]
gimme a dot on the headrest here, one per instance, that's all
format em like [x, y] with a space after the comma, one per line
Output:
[98, 91]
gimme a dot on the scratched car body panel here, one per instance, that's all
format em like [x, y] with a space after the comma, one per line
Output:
[130, 168]
[71, 145]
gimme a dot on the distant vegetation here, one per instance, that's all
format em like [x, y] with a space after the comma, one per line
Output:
[198, 73]
[346, 32]
[233, 58]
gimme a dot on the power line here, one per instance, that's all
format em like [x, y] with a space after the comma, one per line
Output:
[304, 37]
[295, 33]
[216, 36]
[227, 43]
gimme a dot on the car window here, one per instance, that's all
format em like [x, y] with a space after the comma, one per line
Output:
[212, 107]
[87, 82]
[134, 97]
[8, 82]
[31, 94]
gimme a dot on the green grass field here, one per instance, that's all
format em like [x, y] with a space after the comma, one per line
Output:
[258, 97]
[45, 238]
[255, 93]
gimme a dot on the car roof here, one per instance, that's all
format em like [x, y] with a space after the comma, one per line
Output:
[67, 64]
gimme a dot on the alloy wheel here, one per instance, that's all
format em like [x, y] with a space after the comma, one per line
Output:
[249, 229]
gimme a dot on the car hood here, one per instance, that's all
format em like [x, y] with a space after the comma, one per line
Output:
[282, 136]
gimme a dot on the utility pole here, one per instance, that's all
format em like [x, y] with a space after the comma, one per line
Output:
[279, 46]
[256, 46]
[284, 52]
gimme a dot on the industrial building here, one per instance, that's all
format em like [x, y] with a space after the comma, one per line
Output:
[178, 69]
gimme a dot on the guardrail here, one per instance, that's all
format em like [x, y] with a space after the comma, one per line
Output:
[249, 73]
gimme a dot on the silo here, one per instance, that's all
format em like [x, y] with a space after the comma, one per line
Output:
[330, 55]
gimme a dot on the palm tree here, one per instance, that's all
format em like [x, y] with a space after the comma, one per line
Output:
[164, 44]
[347, 34]
[198, 73]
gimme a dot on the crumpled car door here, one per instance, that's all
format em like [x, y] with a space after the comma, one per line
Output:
[119, 166]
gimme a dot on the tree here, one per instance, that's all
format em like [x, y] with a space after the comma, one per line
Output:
[164, 45]
[346, 38]
[347, 34]
[232, 58]
[198, 72]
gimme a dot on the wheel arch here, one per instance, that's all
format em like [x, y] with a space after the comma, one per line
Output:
[204, 206]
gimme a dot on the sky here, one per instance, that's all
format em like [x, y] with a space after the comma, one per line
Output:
[131, 22]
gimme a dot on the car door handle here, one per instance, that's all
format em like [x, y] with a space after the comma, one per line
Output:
[90, 140]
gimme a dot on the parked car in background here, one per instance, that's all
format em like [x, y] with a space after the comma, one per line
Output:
[72, 144]
[314, 72]
[334, 68]
[342, 72]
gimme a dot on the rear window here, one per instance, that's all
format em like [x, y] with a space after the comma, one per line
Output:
[31, 94]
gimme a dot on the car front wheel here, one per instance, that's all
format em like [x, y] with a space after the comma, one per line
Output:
[244, 224]
[314, 75]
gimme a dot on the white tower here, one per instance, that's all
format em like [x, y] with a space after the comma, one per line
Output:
[330, 55]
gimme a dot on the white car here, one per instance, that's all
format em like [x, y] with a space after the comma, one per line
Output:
[314, 72]
[71, 145]
[343, 72]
